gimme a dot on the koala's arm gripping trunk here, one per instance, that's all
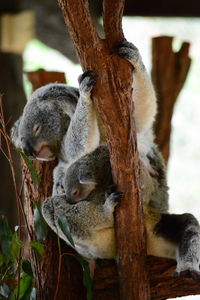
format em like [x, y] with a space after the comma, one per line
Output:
[112, 97]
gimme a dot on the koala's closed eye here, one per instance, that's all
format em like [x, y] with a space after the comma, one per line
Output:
[75, 192]
[37, 129]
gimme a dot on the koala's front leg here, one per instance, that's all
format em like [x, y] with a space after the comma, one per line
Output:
[58, 178]
[143, 91]
[184, 231]
[83, 133]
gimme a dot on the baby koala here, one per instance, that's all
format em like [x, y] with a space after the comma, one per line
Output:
[91, 172]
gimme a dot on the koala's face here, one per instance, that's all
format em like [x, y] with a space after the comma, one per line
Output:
[41, 130]
[77, 188]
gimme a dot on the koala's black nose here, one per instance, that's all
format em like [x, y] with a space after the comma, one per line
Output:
[27, 148]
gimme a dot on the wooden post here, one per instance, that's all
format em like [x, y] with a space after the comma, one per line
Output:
[112, 98]
[169, 72]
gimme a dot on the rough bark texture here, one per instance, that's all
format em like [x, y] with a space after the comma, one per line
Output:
[169, 72]
[112, 98]
[11, 86]
[70, 283]
[162, 284]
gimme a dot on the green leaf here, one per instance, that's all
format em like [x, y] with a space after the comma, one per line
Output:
[64, 226]
[27, 268]
[41, 227]
[5, 240]
[16, 246]
[38, 247]
[26, 284]
[4, 291]
[34, 174]
[87, 278]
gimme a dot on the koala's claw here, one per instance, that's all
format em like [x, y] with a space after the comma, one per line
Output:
[111, 189]
[87, 81]
[193, 274]
[85, 74]
[116, 197]
[128, 51]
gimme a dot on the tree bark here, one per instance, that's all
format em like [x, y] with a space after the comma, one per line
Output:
[112, 98]
[11, 86]
[169, 72]
[50, 282]
[162, 284]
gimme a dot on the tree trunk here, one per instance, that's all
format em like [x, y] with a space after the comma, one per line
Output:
[11, 86]
[169, 72]
[112, 98]
[54, 279]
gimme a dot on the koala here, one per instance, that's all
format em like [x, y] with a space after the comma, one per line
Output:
[85, 175]
[90, 222]
[45, 120]
[168, 235]
[89, 213]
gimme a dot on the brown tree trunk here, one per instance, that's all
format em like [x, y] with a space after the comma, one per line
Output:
[169, 72]
[112, 98]
[53, 277]
[11, 86]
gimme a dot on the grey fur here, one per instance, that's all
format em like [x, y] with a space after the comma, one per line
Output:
[92, 171]
[93, 236]
[50, 107]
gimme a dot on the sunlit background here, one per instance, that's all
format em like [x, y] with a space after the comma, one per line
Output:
[184, 163]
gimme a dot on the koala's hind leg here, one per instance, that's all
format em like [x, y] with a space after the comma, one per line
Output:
[182, 230]
[144, 94]
[83, 133]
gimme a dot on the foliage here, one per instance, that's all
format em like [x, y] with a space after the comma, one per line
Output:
[11, 286]
[64, 226]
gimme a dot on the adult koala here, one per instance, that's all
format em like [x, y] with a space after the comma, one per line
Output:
[45, 120]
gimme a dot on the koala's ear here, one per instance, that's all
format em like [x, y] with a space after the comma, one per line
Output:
[86, 177]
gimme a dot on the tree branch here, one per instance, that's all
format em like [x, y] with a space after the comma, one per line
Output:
[112, 97]
[163, 285]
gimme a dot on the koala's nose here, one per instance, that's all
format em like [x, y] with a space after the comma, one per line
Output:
[27, 148]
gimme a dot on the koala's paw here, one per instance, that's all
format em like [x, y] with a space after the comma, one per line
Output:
[128, 51]
[114, 198]
[188, 268]
[193, 274]
[59, 189]
[87, 81]
[111, 189]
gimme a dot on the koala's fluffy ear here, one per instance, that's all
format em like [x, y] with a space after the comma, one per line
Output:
[86, 177]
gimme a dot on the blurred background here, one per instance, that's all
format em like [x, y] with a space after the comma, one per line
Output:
[33, 36]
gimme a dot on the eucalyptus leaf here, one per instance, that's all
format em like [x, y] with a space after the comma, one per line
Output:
[41, 227]
[64, 226]
[16, 245]
[34, 174]
[87, 278]
[26, 283]
[5, 240]
[27, 268]
[39, 247]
